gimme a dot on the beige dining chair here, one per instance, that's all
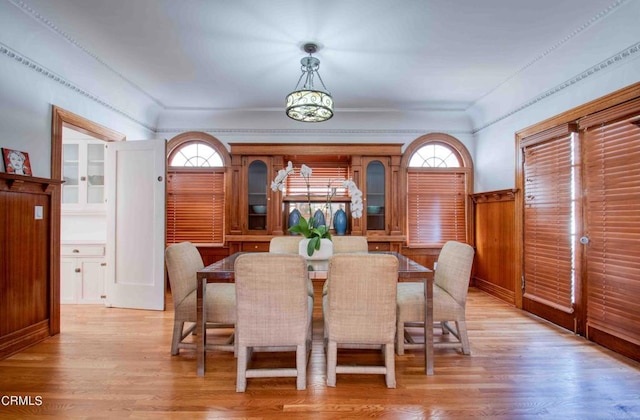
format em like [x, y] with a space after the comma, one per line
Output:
[349, 244]
[360, 311]
[451, 284]
[285, 244]
[274, 313]
[183, 262]
[288, 245]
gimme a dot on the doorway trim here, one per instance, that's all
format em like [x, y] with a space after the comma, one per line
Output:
[63, 118]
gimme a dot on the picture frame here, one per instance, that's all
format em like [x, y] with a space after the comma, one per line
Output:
[16, 162]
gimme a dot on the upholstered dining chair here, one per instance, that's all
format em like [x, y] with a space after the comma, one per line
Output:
[360, 311]
[274, 313]
[451, 284]
[349, 244]
[285, 244]
[183, 262]
[288, 245]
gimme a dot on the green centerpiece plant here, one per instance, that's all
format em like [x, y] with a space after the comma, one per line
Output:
[309, 228]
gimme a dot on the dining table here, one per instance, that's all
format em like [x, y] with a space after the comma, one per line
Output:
[223, 271]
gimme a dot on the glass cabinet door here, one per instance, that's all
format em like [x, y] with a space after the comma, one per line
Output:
[257, 198]
[83, 175]
[375, 195]
[95, 173]
[70, 174]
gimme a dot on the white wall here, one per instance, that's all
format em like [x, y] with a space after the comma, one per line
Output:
[39, 69]
[597, 61]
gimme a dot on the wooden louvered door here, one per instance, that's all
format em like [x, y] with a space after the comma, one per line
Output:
[611, 142]
[549, 217]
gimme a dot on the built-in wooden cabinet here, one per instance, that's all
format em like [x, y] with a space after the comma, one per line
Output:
[256, 213]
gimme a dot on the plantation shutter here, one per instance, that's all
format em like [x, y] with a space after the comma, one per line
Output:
[195, 207]
[612, 177]
[435, 207]
[321, 177]
[548, 266]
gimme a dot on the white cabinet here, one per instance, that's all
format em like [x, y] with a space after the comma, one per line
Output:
[83, 173]
[82, 273]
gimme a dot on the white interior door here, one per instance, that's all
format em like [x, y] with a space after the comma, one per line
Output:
[135, 225]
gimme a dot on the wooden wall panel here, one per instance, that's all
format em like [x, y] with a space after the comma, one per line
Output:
[495, 240]
[26, 276]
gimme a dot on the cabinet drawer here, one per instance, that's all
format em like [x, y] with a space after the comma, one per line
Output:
[255, 246]
[379, 246]
[82, 250]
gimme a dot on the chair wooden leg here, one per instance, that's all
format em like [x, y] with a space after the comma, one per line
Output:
[301, 367]
[400, 336]
[332, 359]
[177, 337]
[241, 380]
[390, 364]
[461, 326]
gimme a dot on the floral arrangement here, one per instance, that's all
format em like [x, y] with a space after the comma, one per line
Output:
[309, 228]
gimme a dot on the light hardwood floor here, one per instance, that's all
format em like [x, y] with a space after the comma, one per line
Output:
[116, 364]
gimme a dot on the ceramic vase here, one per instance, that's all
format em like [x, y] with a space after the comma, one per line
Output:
[340, 222]
[318, 218]
[319, 260]
[294, 219]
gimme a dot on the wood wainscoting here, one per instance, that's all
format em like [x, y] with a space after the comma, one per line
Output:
[29, 269]
[495, 240]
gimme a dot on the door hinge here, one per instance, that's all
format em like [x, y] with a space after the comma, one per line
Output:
[522, 278]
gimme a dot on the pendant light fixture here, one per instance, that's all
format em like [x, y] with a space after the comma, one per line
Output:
[308, 103]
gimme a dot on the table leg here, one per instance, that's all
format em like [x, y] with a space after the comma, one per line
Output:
[201, 330]
[428, 326]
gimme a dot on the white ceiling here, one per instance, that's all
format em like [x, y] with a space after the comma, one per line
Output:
[375, 54]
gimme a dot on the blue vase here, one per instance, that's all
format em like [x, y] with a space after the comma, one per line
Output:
[294, 219]
[340, 222]
[318, 218]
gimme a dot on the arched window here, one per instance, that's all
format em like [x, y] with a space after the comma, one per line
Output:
[439, 181]
[195, 189]
[434, 155]
[197, 155]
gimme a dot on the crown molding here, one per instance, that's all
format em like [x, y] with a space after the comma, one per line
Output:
[30, 11]
[627, 53]
[616, 59]
[555, 46]
[54, 77]
[321, 132]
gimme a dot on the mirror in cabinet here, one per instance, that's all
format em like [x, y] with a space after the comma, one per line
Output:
[375, 195]
[328, 211]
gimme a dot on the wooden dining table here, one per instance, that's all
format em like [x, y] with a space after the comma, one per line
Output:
[223, 271]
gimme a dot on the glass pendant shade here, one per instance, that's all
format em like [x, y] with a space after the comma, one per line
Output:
[309, 105]
[306, 103]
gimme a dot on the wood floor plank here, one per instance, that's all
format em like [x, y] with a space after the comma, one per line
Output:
[116, 363]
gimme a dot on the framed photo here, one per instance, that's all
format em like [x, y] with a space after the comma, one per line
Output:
[16, 162]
